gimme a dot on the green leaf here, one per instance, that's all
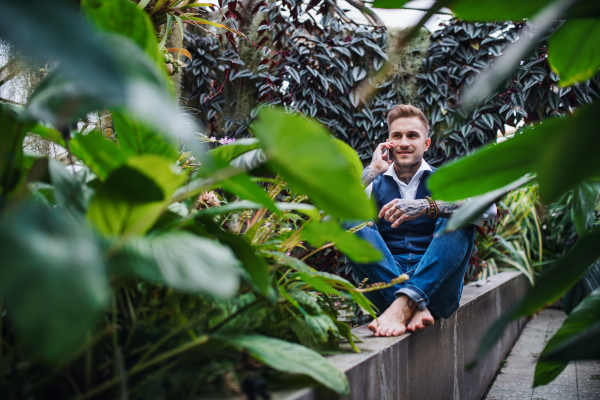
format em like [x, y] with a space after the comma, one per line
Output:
[292, 358]
[240, 184]
[136, 138]
[586, 314]
[585, 196]
[311, 162]
[314, 331]
[253, 264]
[359, 250]
[134, 196]
[582, 346]
[125, 18]
[183, 261]
[11, 148]
[572, 51]
[473, 10]
[577, 133]
[52, 279]
[389, 3]
[488, 169]
[230, 151]
[54, 31]
[536, 150]
[562, 275]
[71, 194]
[471, 210]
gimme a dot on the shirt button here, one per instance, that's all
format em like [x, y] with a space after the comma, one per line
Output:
[409, 244]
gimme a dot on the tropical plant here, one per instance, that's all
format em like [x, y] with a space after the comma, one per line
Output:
[561, 152]
[459, 53]
[146, 259]
[316, 64]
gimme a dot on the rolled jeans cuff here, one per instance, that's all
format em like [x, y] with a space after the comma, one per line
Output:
[415, 294]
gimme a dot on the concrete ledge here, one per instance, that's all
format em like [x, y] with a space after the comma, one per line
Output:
[430, 364]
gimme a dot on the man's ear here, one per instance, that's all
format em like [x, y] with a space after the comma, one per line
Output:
[427, 144]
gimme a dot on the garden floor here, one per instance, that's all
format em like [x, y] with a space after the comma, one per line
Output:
[579, 381]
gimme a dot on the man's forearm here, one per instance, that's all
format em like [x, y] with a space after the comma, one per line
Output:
[368, 176]
[446, 209]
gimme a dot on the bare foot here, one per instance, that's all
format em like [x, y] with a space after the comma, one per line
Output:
[393, 321]
[420, 320]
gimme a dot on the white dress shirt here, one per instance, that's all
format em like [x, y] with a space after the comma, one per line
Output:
[409, 192]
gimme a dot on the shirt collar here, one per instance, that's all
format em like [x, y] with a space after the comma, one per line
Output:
[422, 168]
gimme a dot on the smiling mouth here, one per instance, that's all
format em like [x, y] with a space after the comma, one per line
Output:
[404, 152]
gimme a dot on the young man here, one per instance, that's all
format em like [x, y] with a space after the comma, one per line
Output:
[407, 232]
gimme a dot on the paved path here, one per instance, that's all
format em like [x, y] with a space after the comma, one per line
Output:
[579, 381]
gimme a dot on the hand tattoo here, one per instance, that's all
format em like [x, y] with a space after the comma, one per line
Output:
[368, 176]
[398, 211]
[445, 209]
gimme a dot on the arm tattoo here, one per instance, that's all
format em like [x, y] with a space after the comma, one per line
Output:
[411, 208]
[368, 176]
[445, 209]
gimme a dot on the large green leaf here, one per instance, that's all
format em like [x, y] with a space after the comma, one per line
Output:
[97, 152]
[471, 210]
[52, 279]
[253, 264]
[134, 195]
[230, 151]
[240, 184]
[312, 163]
[585, 196]
[359, 250]
[568, 152]
[292, 358]
[71, 194]
[184, 261]
[488, 169]
[474, 10]
[389, 3]
[54, 31]
[563, 274]
[581, 346]
[136, 138]
[572, 51]
[11, 148]
[125, 18]
[562, 151]
[581, 318]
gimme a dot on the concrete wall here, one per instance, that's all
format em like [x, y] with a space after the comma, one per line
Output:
[430, 364]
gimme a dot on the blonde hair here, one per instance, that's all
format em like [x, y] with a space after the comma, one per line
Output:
[407, 111]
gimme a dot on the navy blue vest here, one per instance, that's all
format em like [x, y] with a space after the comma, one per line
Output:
[412, 236]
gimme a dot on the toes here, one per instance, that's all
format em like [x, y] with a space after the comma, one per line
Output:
[373, 326]
[399, 331]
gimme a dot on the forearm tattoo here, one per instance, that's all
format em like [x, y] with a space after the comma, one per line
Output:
[411, 208]
[368, 176]
[445, 209]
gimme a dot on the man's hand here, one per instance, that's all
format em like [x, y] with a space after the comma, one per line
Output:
[398, 211]
[379, 164]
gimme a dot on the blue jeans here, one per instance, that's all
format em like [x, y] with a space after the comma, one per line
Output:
[436, 277]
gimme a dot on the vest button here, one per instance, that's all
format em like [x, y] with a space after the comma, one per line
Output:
[409, 234]
[409, 244]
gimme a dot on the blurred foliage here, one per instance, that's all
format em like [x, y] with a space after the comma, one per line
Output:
[143, 265]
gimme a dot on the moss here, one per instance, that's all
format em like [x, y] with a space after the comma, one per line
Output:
[407, 64]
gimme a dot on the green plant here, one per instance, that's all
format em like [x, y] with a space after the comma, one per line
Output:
[151, 263]
[541, 150]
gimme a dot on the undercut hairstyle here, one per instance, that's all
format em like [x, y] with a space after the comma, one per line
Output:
[407, 111]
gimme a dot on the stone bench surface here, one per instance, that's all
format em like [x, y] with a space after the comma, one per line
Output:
[430, 364]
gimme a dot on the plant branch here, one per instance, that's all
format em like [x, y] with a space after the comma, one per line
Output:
[367, 12]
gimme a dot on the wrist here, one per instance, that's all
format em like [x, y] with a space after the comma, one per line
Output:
[378, 169]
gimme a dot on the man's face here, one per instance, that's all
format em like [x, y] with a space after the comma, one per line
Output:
[409, 139]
